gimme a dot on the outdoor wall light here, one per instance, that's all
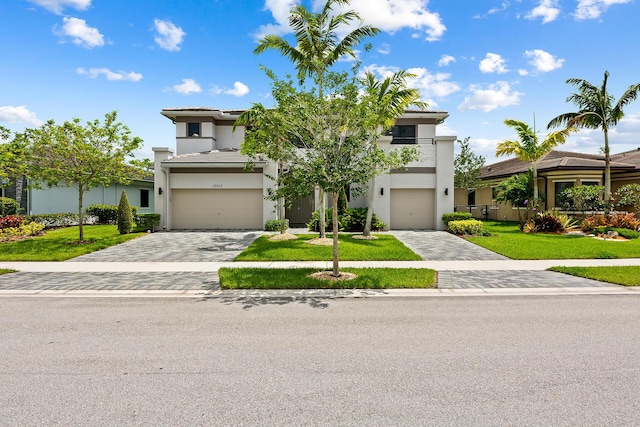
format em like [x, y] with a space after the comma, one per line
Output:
[446, 191]
[159, 190]
[381, 191]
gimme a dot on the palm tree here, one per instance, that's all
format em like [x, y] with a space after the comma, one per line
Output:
[596, 111]
[318, 47]
[529, 148]
[391, 97]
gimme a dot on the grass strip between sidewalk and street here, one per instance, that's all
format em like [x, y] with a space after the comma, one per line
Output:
[507, 239]
[385, 248]
[625, 275]
[62, 243]
[297, 278]
[6, 271]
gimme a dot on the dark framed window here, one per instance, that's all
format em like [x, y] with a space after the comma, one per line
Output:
[193, 129]
[494, 193]
[559, 188]
[144, 198]
[403, 134]
[471, 198]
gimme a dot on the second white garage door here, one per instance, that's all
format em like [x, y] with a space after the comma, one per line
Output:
[216, 209]
[412, 209]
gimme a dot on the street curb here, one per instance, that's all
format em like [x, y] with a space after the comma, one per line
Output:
[320, 293]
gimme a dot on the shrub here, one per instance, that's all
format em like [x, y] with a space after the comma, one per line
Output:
[107, 214]
[456, 216]
[616, 220]
[583, 198]
[125, 217]
[276, 224]
[146, 222]
[471, 227]
[30, 229]
[8, 206]
[545, 222]
[353, 219]
[10, 221]
[60, 219]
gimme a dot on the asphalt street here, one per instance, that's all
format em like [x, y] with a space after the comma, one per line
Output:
[560, 360]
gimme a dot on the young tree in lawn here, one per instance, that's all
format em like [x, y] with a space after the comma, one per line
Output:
[467, 166]
[12, 164]
[529, 148]
[82, 156]
[517, 190]
[390, 98]
[319, 45]
[336, 138]
[597, 109]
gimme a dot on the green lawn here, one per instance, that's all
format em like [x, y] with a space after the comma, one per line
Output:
[627, 276]
[5, 271]
[508, 240]
[296, 278]
[61, 244]
[385, 248]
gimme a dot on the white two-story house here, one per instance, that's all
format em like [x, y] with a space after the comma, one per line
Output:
[203, 184]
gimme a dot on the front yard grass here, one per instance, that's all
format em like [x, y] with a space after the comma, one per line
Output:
[627, 276]
[507, 239]
[61, 244]
[296, 278]
[385, 248]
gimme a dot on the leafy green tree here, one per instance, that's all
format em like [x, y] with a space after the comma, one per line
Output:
[629, 195]
[467, 166]
[582, 198]
[335, 138]
[318, 47]
[82, 156]
[529, 148]
[597, 109]
[517, 190]
[125, 216]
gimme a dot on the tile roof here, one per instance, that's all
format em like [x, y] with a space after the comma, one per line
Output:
[556, 160]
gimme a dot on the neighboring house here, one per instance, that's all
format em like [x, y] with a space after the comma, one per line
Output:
[557, 171]
[203, 185]
[65, 199]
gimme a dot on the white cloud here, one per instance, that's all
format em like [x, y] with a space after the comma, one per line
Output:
[543, 61]
[592, 9]
[430, 85]
[446, 60]
[187, 87]
[110, 75]
[385, 49]
[19, 114]
[81, 34]
[548, 10]
[239, 89]
[387, 15]
[523, 72]
[57, 6]
[169, 36]
[488, 99]
[493, 63]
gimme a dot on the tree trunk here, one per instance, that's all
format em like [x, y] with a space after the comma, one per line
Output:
[535, 185]
[336, 269]
[607, 173]
[281, 210]
[321, 210]
[370, 197]
[80, 220]
[19, 188]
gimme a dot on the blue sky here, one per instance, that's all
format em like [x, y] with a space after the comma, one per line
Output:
[483, 61]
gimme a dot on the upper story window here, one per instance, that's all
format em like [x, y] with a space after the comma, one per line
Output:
[193, 129]
[403, 134]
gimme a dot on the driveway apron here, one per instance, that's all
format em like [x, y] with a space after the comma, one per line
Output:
[174, 246]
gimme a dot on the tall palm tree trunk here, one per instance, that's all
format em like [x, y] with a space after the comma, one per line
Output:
[607, 172]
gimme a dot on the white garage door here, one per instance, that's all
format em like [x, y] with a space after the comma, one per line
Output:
[412, 209]
[216, 209]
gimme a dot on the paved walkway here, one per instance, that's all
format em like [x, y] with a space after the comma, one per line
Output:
[186, 263]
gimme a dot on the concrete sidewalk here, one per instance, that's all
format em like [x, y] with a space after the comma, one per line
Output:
[485, 265]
